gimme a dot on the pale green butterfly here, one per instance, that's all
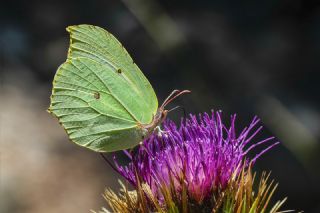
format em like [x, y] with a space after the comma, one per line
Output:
[101, 97]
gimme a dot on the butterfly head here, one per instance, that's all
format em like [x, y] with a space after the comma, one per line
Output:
[162, 113]
[160, 116]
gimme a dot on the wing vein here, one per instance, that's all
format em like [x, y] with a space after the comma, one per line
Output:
[88, 106]
[117, 129]
[115, 97]
[78, 76]
[113, 64]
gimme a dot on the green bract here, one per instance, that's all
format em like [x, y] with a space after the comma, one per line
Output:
[99, 94]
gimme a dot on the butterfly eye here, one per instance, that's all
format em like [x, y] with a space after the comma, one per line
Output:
[119, 71]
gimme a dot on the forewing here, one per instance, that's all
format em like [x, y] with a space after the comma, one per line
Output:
[99, 45]
[83, 100]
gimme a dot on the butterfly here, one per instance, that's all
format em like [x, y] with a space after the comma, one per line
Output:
[101, 97]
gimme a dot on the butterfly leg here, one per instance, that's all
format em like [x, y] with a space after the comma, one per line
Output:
[159, 132]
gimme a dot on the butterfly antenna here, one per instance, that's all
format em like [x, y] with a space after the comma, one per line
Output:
[170, 96]
[174, 94]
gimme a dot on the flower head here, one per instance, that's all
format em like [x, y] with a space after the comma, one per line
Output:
[199, 157]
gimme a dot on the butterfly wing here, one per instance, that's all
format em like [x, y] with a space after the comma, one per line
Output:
[99, 95]
[96, 43]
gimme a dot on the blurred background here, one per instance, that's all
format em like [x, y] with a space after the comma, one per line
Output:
[245, 57]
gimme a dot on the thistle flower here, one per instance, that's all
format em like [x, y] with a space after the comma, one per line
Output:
[193, 161]
[239, 196]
